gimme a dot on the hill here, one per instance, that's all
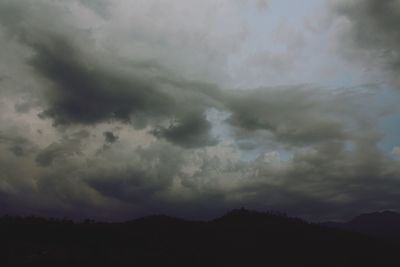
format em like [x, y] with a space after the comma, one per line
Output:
[385, 224]
[239, 238]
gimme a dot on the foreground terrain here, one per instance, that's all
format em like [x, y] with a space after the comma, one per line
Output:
[239, 238]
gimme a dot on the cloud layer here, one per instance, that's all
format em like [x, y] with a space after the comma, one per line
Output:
[372, 34]
[110, 115]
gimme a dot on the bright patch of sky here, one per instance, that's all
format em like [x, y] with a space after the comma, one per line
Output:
[293, 42]
[390, 123]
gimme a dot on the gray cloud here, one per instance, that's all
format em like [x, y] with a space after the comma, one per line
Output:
[302, 149]
[67, 146]
[297, 115]
[151, 171]
[374, 32]
[99, 6]
[85, 90]
[89, 94]
[110, 137]
[328, 181]
[193, 130]
[18, 145]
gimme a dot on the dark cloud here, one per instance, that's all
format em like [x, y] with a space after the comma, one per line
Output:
[89, 87]
[23, 107]
[89, 94]
[297, 115]
[150, 171]
[374, 32]
[18, 145]
[68, 146]
[130, 185]
[110, 137]
[316, 152]
[193, 130]
[328, 181]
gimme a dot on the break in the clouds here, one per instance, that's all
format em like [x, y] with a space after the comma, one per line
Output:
[119, 109]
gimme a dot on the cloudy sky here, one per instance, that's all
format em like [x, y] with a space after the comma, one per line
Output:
[118, 109]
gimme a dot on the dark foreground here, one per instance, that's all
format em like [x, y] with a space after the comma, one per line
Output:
[240, 238]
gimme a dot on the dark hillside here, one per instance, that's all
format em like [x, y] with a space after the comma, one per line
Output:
[385, 224]
[239, 238]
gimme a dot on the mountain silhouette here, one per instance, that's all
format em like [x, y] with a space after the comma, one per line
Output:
[385, 224]
[239, 238]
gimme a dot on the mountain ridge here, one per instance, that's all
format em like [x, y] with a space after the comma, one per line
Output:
[238, 238]
[381, 224]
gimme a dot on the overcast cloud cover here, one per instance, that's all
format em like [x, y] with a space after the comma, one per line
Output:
[117, 109]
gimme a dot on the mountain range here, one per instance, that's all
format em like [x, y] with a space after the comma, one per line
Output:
[385, 224]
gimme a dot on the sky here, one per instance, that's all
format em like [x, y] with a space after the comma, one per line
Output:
[118, 109]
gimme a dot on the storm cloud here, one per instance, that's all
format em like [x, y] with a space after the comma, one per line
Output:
[298, 115]
[111, 115]
[88, 87]
[373, 33]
